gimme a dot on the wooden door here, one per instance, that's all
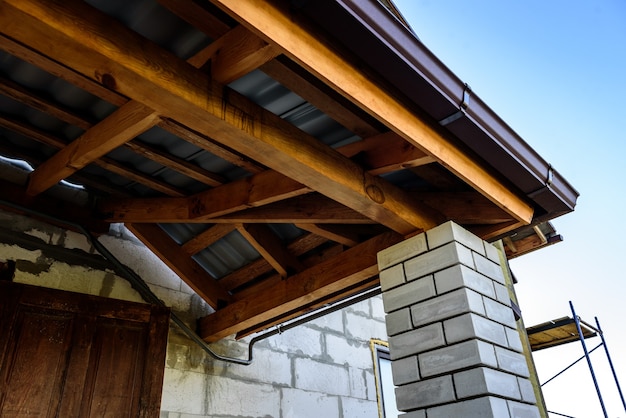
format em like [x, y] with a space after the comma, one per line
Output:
[64, 354]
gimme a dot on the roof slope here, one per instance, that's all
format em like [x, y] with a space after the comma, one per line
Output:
[266, 151]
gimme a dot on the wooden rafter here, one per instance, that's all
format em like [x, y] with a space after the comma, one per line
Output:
[206, 238]
[334, 233]
[124, 124]
[180, 262]
[271, 248]
[261, 267]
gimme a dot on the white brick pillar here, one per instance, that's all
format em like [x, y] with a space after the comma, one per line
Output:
[453, 340]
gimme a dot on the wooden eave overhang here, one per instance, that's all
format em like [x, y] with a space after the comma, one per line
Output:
[312, 212]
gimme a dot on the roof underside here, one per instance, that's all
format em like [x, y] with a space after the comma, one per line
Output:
[264, 151]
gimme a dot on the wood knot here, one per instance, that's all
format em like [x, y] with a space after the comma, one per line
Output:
[375, 193]
[108, 81]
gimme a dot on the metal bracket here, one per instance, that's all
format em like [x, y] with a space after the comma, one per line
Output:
[465, 101]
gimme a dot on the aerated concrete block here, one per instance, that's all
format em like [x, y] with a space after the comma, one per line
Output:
[450, 232]
[437, 259]
[487, 407]
[527, 390]
[302, 404]
[402, 251]
[409, 294]
[499, 312]
[320, 377]
[416, 341]
[459, 276]
[502, 293]
[483, 381]
[488, 268]
[405, 370]
[447, 306]
[520, 410]
[398, 321]
[512, 362]
[492, 252]
[391, 277]
[514, 339]
[456, 357]
[422, 394]
[470, 325]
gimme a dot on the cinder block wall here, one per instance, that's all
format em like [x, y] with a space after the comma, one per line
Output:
[321, 369]
[453, 340]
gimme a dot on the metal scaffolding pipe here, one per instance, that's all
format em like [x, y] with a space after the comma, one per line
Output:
[582, 341]
[608, 356]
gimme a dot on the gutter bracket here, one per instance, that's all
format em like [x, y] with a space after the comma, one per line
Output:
[546, 186]
[465, 101]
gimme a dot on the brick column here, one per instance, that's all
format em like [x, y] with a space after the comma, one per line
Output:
[453, 340]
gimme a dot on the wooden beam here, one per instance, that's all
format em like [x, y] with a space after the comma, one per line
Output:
[234, 55]
[51, 66]
[465, 208]
[511, 248]
[261, 267]
[123, 125]
[156, 210]
[92, 43]
[178, 164]
[136, 176]
[494, 231]
[366, 285]
[257, 190]
[198, 16]
[211, 146]
[318, 282]
[384, 153]
[307, 209]
[23, 95]
[206, 238]
[309, 49]
[254, 287]
[293, 77]
[271, 248]
[284, 71]
[181, 263]
[333, 233]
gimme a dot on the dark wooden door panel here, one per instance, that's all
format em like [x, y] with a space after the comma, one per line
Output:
[35, 364]
[115, 373]
[71, 355]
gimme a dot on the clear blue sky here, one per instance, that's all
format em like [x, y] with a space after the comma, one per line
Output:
[555, 71]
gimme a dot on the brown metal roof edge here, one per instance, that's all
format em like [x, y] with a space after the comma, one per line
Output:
[379, 38]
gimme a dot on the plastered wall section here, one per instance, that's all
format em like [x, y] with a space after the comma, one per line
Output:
[321, 369]
[453, 339]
